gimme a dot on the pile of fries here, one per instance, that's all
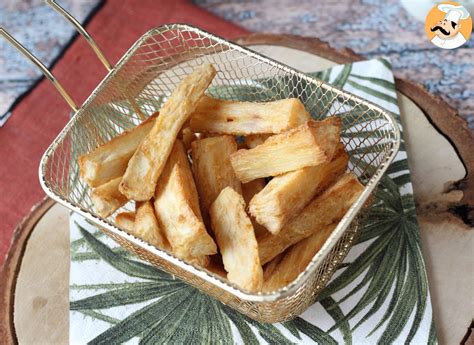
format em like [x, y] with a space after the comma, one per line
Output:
[255, 212]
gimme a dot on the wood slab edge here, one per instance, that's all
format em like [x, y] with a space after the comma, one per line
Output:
[11, 267]
[443, 117]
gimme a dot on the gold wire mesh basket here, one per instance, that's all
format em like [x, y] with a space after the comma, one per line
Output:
[137, 87]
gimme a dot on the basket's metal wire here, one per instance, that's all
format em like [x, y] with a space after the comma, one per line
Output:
[80, 29]
[46, 72]
[145, 77]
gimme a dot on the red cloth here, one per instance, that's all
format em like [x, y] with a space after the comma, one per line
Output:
[43, 113]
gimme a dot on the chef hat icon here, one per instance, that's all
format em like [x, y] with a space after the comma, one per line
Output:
[454, 13]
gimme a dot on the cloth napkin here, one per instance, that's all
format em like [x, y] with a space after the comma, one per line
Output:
[379, 295]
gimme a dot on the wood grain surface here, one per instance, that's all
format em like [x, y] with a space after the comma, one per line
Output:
[11, 268]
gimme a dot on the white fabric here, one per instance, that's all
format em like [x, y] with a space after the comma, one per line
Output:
[453, 16]
[454, 13]
[449, 43]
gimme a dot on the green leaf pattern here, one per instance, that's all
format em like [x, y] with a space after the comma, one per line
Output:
[379, 295]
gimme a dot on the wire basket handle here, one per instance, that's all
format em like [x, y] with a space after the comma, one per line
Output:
[80, 29]
[46, 72]
[17, 45]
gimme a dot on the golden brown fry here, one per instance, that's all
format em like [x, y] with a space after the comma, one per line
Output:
[143, 226]
[216, 266]
[242, 118]
[253, 140]
[125, 221]
[146, 165]
[271, 267]
[241, 145]
[110, 160]
[146, 226]
[310, 144]
[287, 266]
[250, 189]
[107, 199]
[286, 195]
[211, 168]
[202, 261]
[236, 240]
[248, 192]
[177, 208]
[258, 229]
[325, 209]
[187, 136]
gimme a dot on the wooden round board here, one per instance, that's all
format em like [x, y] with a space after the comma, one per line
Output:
[35, 277]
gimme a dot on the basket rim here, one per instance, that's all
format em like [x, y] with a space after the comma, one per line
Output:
[214, 279]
